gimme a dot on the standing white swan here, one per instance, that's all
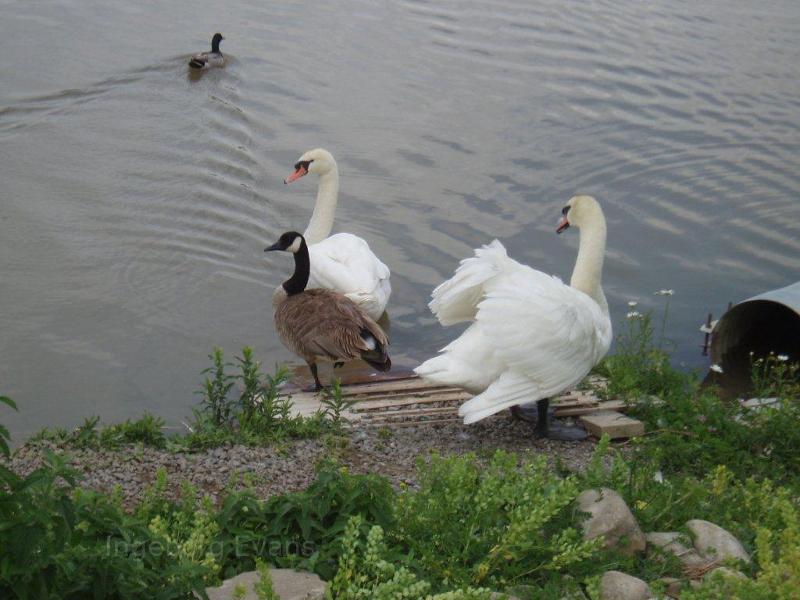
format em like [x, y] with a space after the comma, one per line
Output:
[342, 262]
[532, 336]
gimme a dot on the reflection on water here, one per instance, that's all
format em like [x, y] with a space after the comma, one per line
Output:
[136, 200]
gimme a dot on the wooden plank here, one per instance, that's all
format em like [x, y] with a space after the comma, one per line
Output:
[615, 424]
[413, 412]
[401, 385]
[370, 404]
[417, 423]
[576, 411]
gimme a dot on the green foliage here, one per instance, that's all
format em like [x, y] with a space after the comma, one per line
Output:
[778, 554]
[216, 405]
[474, 524]
[5, 437]
[691, 429]
[773, 376]
[147, 431]
[364, 572]
[334, 403]
[259, 415]
[302, 529]
[640, 365]
[263, 587]
[58, 541]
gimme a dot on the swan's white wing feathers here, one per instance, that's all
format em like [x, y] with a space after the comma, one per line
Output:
[345, 263]
[549, 331]
[456, 300]
[469, 362]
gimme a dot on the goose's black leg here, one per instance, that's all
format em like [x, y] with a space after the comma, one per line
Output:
[544, 426]
[317, 385]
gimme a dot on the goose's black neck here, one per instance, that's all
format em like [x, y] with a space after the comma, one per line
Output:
[215, 45]
[302, 268]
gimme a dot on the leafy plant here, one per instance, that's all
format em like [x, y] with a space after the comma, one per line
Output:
[263, 587]
[300, 529]
[216, 405]
[335, 403]
[497, 523]
[364, 572]
[5, 437]
[775, 376]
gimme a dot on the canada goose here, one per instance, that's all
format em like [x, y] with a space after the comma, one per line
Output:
[204, 60]
[342, 262]
[531, 336]
[323, 325]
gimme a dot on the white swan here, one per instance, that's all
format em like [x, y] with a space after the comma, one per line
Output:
[532, 336]
[342, 262]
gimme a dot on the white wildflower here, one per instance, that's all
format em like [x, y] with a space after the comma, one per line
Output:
[634, 314]
[632, 303]
[658, 476]
[782, 357]
[664, 292]
[716, 368]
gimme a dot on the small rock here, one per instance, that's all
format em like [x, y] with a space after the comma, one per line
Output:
[287, 583]
[672, 586]
[713, 542]
[611, 518]
[673, 543]
[616, 585]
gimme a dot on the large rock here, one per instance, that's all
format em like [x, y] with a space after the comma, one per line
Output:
[714, 543]
[616, 585]
[287, 583]
[672, 542]
[610, 517]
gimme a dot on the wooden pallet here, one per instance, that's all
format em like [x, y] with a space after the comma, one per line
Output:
[406, 400]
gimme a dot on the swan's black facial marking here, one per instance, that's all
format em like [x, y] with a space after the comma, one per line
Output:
[305, 164]
[563, 222]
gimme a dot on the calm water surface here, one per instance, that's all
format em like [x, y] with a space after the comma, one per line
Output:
[135, 202]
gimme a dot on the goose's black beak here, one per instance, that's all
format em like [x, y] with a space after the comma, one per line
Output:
[275, 246]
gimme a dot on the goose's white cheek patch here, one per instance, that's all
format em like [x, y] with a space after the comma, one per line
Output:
[295, 245]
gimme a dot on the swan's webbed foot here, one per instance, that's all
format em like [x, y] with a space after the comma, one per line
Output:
[543, 423]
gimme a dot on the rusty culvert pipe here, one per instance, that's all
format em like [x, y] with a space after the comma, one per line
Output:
[769, 322]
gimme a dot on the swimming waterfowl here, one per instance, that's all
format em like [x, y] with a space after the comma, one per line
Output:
[321, 324]
[532, 336]
[342, 262]
[205, 60]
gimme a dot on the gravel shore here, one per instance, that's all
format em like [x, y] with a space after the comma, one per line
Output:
[290, 465]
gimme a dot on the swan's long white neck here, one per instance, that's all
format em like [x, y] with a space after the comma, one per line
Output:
[588, 271]
[321, 223]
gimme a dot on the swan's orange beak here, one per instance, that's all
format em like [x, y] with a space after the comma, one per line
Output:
[562, 224]
[299, 172]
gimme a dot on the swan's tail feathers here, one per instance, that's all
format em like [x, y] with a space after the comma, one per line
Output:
[510, 389]
[443, 370]
[456, 300]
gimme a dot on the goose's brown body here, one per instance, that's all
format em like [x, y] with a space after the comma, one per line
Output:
[320, 324]
[323, 325]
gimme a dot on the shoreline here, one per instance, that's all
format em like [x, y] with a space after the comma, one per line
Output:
[290, 465]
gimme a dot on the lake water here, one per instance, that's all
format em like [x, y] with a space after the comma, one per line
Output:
[135, 201]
